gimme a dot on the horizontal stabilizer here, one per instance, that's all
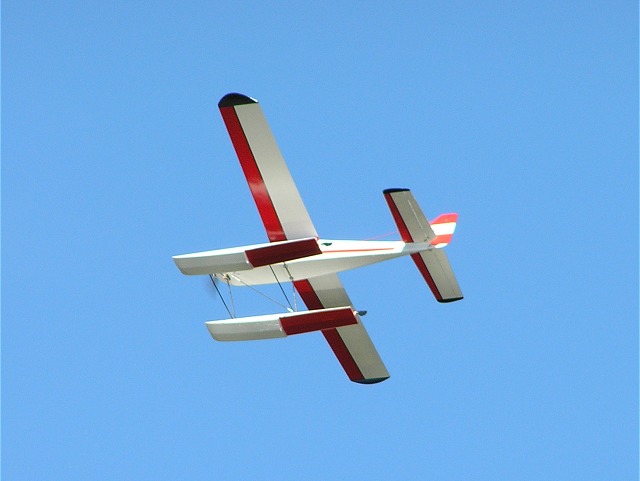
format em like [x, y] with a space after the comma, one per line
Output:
[273, 326]
[414, 227]
[436, 270]
[412, 223]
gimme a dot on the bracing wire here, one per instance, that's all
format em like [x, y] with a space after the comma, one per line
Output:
[280, 285]
[233, 307]
[293, 288]
[259, 292]
[213, 281]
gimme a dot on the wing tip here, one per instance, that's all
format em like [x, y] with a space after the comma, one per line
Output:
[391, 191]
[374, 380]
[450, 299]
[233, 99]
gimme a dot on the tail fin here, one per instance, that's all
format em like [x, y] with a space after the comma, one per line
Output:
[443, 227]
[414, 227]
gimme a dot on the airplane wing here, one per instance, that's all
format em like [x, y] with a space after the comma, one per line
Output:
[274, 192]
[351, 344]
[286, 218]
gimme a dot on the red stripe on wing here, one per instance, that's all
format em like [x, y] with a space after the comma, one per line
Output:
[251, 171]
[308, 295]
[332, 336]
[342, 353]
[402, 227]
[422, 267]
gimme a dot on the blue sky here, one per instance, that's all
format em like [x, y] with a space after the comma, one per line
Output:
[522, 117]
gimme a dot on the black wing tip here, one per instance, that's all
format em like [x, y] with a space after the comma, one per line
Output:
[374, 380]
[233, 99]
[391, 191]
[451, 299]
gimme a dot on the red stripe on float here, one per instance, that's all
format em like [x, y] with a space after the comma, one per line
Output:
[261, 196]
[275, 253]
[317, 320]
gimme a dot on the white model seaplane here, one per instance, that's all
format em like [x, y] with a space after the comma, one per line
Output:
[296, 254]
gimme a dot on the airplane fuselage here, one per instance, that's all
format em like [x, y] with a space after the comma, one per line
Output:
[335, 256]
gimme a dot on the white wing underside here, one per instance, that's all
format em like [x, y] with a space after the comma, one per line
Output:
[285, 218]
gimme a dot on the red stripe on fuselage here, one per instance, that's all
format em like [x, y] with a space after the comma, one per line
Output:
[261, 196]
[332, 336]
[339, 251]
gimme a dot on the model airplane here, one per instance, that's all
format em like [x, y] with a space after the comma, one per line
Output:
[296, 254]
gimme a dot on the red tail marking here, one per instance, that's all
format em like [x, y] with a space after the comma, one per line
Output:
[445, 218]
[275, 253]
[441, 239]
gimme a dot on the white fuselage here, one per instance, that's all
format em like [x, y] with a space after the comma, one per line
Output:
[337, 256]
